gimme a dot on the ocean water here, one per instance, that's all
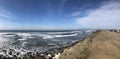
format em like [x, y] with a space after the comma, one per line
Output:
[29, 40]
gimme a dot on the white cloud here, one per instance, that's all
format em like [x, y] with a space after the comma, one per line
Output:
[5, 13]
[106, 16]
[6, 19]
[62, 6]
[76, 13]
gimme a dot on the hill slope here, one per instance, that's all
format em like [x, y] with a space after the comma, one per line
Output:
[100, 45]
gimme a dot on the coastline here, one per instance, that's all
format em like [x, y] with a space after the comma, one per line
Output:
[49, 54]
[103, 44]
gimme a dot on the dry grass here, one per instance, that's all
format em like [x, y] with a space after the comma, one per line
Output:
[100, 45]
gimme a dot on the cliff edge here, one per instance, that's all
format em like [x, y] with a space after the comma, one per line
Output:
[100, 45]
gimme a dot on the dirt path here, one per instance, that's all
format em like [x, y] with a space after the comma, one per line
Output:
[100, 45]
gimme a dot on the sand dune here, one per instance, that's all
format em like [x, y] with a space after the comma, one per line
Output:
[101, 45]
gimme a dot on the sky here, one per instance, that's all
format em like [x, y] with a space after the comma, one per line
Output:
[59, 14]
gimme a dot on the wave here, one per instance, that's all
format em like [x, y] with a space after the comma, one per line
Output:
[57, 36]
[24, 42]
[23, 34]
[22, 39]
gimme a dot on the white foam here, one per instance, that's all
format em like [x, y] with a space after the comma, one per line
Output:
[88, 30]
[22, 39]
[54, 33]
[9, 36]
[23, 44]
[48, 36]
[2, 33]
[66, 35]
[2, 53]
[2, 39]
[53, 36]
[56, 56]
[24, 34]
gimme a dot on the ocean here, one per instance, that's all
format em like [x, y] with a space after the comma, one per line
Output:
[37, 40]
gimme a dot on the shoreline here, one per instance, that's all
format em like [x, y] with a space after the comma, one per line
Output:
[49, 54]
[99, 45]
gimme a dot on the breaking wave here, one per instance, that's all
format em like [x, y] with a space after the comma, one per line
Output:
[24, 42]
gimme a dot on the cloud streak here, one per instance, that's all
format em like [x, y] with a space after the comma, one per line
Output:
[76, 13]
[62, 6]
[5, 13]
[106, 16]
[6, 19]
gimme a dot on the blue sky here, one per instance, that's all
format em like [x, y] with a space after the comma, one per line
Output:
[59, 14]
